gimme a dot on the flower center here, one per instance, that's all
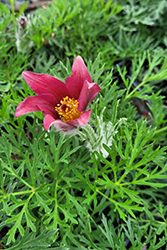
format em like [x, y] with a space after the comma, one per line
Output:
[67, 109]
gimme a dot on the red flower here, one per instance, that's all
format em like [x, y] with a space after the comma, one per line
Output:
[63, 105]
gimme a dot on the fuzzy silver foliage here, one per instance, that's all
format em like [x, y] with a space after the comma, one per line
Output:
[100, 133]
[23, 28]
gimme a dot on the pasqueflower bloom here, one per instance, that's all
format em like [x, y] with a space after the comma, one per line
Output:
[64, 105]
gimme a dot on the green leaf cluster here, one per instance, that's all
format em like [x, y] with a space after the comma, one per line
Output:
[55, 193]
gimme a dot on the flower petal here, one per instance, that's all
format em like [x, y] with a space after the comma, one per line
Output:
[44, 102]
[48, 120]
[88, 93]
[59, 125]
[75, 82]
[43, 83]
[84, 118]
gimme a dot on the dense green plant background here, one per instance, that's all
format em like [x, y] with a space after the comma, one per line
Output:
[55, 193]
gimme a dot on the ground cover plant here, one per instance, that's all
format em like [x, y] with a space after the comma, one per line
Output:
[104, 186]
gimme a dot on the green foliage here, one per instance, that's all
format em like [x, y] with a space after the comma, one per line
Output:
[105, 187]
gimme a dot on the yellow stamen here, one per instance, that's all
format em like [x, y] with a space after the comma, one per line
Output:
[67, 109]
